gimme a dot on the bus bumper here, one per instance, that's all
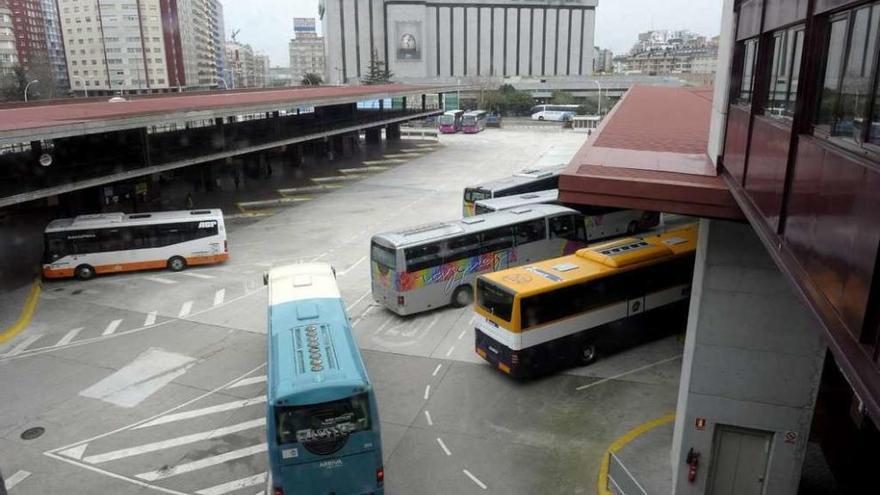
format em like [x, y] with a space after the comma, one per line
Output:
[500, 357]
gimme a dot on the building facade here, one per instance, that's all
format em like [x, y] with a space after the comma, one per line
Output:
[239, 65]
[218, 38]
[261, 70]
[459, 40]
[55, 45]
[671, 52]
[306, 50]
[603, 60]
[38, 44]
[8, 50]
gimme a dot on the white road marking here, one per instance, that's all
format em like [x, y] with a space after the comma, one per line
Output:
[428, 418]
[356, 263]
[255, 480]
[219, 296]
[174, 442]
[474, 479]
[16, 478]
[141, 378]
[113, 475]
[449, 352]
[151, 318]
[160, 280]
[69, 336]
[427, 391]
[461, 335]
[195, 413]
[23, 345]
[248, 381]
[111, 327]
[383, 325]
[367, 293]
[75, 452]
[168, 472]
[443, 446]
[437, 369]
[584, 387]
[393, 331]
[473, 319]
[418, 328]
[185, 309]
[198, 275]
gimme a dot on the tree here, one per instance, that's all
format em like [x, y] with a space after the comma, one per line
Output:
[377, 72]
[312, 79]
[13, 84]
[562, 98]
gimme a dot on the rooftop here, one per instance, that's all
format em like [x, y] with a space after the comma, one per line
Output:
[650, 153]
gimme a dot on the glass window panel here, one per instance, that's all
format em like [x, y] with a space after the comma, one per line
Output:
[855, 92]
[744, 97]
[874, 136]
[782, 84]
[833, 67]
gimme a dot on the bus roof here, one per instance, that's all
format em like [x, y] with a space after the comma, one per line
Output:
[476, 112]
[313, 354]
[453, 112]
[522, 177]
[596, 261]
[106, 220]
[430, 232]
[507, 202]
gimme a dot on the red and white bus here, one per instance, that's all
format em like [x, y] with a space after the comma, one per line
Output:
[88, 245]
[474, 121]
[450, 121]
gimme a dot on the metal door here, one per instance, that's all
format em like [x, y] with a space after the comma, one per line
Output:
[739, 461]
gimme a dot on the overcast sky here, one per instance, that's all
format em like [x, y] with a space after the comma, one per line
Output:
[268, 24]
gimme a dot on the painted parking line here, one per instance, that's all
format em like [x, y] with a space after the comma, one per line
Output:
[219, 296]
[195, 413]
[437, 370]
[202, 276]
[24, 319]
[148, 373]
[169, 471]
[185, 309]
[428, 418]
[23, 345]
[374, 168]
[160, 280]
[248, 381]
[69, 336]
[256, 480]
[443, 446]
[16, 478]
[174, 442]
[621, 375]
[449, 352]
[353, 265]
[151, 318]
[111, 327]
[474, 479]
[427, 391]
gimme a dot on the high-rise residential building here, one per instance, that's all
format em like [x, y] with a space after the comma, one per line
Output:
[603, 60]
[306, 49]
[446, 41]
[239, 65]
[38, 43]
[219, 38]
[672, 52]
[261, 70]
[8, 50]
[55, 44]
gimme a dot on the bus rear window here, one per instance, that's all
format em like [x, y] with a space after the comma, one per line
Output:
[471, 194]
[494, 300]
[385, 257]
[323, 428]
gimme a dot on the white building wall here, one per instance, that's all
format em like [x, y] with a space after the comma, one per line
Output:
[563, 64]
[471, 35]
[485, 42]
[350, 42]
[576, 41]
[497, 66]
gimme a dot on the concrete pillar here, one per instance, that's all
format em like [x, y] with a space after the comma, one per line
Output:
[373, 135]
[423, 102]
[392, 132]
[752, 364]
[295, 154]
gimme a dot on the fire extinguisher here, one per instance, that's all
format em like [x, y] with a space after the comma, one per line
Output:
[693, 460]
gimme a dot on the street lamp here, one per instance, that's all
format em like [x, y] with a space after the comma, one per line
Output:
[225, 86]
[28, 85]
[599, 105]
[85, 89]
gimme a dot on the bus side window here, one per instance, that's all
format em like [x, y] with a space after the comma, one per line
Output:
[421, 257]
[530, 232]
[462, 247]
[497, 239]
[563, 227]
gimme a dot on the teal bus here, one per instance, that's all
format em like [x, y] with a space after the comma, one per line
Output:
[322, 425]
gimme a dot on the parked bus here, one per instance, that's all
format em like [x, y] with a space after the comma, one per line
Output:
[601, 222]
[88, 245]
[474, 122]
[450, 121]
[567, 311]
[554, 112]
[528, 180]
[434, 265]
[322, 424]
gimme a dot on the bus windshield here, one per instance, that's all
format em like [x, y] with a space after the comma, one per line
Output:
[469, 120]
[383, 256]
[494, 300]
[472, 194]
[323, 428]
[447, 119]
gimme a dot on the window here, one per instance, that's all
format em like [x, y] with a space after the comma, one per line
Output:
[323, 428]
[782, 85]
[461, 247]
[497, 239]
[530, 232]
[421, 257]
[568, 301]
[494, 299]
[569, 227]
[383, 256]
[749, 50]
[847, 90]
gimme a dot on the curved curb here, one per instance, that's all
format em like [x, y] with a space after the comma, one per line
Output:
[620, 442]
[27, 313]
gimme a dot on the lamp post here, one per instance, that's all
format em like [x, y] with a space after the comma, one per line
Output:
[28, 85]
[85, 89]
[599, 105]
[225, 86]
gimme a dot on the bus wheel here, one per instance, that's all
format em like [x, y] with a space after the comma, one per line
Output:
[540, 117]
[84, 272]
[588, 353]
[462, 296]
[632, 227]
[176, 264]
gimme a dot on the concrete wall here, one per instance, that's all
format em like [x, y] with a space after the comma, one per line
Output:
[752, 358]
[718, 119]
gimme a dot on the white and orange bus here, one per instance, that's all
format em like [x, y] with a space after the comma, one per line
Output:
[88, 245]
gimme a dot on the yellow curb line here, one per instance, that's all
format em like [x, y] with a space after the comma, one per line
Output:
[620, 442]
[26, 314]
